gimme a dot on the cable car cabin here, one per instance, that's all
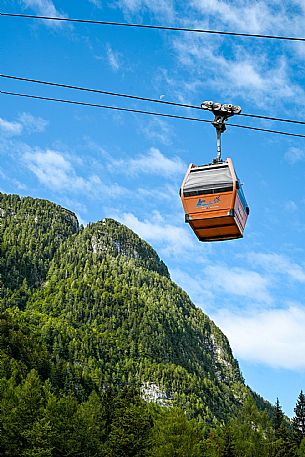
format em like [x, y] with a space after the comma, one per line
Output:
[213, 202]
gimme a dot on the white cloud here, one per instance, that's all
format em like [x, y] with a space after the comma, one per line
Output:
[163, 8]
[26, 122]
[274, 337]
[171, 239]
[238, 281]
[262, 16]
[96, 3]
[113, 58]
[157, 163]
[56, 172]
[158, 130]
[53, 170]
[44, 8]
[239, 68]
[32, 123]
[276, 263]
[228, 13]
[245, 72]
[10, 128]
[197, 289]
[165, 193]
[248, 73]
[294, 155]
[154, 162]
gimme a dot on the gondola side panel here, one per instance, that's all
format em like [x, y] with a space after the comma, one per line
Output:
[208, 205]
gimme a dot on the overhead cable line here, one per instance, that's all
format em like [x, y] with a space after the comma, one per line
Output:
[136, 97]
[148, 26]
[97, 105]
[99, 91]
[152, 113]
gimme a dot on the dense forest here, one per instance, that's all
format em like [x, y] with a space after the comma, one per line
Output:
[101, 354]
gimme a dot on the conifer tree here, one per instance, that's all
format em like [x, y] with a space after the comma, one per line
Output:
[283, 445]
[229, 447]
[91, 310]
[277, 417]
[299, 419]
[252, 431]
[173, 435]
[301, 450]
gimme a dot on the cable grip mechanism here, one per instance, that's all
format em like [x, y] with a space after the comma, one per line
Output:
[221, 113]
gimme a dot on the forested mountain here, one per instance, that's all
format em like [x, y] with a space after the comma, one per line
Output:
[30, 233]
[121, 315]
[93, 329]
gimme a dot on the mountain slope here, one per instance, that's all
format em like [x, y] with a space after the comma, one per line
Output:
[30, 232]
[105, 310]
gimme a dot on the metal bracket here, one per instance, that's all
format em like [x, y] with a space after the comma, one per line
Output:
[221, 113]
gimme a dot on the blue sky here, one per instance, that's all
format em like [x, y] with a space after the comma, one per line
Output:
[102, 163]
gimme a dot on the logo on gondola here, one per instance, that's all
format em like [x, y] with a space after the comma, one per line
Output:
[205, 204]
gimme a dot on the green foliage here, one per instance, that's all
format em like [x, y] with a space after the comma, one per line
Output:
[252, 431]
[248, 433]
[21, 348]
[173, 435]
[278, 417]
[113, 238]
[102, 355]
[106, 308]
[131, 421]
[301, 449]
[31, 231]
[298, 421]
[284, 445]
[220, 442]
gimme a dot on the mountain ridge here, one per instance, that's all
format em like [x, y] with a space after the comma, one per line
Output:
[106, 312]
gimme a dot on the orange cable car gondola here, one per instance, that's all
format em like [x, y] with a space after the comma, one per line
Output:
[213, 200]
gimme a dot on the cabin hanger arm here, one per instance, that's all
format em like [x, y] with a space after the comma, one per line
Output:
[221, 113]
